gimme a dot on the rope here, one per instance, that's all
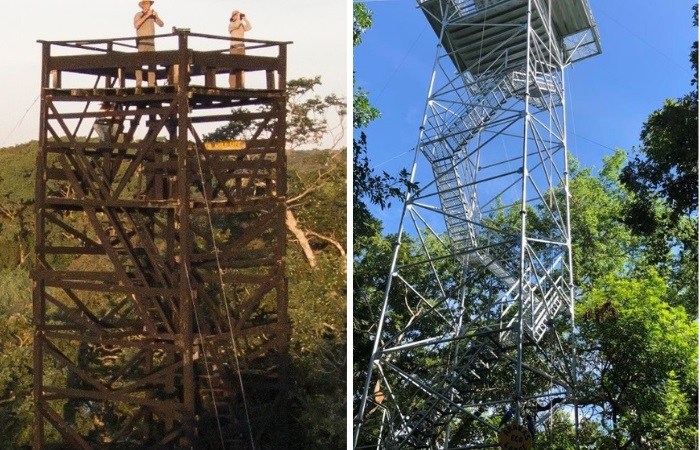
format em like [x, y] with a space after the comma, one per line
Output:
[21, 119]
[225, 299]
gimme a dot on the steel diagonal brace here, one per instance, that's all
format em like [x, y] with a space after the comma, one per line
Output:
[435, 394]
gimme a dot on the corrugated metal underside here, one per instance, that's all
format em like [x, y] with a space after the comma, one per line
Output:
[489, 35]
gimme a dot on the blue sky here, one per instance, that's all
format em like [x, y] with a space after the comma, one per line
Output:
[645, 60]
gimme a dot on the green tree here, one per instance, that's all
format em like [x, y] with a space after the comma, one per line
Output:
[665, 168]
[17, 168]
[15, 359]
[317, 298]
[663, 181]
[559, 433]
[361, 22]
[602, 243]
[639, 360]
[307, 117]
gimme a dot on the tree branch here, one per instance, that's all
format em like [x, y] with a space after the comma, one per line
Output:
[5, 401]
[9, 213]
[306, 192]
[293, 226]
[316, 183]
[327, 239]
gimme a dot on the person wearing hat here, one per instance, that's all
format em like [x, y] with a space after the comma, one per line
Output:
[144, 23]
[237, 26]
[105, 125]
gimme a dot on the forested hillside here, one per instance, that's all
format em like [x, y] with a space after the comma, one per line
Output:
[316, 273]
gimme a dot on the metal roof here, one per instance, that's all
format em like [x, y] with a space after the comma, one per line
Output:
[489, 35]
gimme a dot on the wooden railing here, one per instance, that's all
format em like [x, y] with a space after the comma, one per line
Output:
[204, 55]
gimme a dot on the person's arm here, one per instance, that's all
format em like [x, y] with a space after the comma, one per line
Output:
[246, 25]
[156, 17]
[140, 18]
[233, 25]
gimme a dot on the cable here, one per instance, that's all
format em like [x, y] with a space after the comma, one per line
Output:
[570, 105]
[640, 39]
[225, 299]
[408, 52]
[206, 361]
[593, 142]
[393, 158]
[21, 119]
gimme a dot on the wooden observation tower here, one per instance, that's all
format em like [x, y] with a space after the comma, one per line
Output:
[160, 298]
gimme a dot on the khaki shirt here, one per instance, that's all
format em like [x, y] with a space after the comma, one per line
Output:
[236, 29]
[147, 28]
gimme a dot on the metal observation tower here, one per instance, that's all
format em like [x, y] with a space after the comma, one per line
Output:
[474, 344]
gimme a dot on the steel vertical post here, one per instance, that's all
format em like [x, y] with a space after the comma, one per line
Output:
[523, 217]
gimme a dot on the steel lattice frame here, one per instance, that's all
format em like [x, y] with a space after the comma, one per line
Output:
[476, 324]
[156, 252]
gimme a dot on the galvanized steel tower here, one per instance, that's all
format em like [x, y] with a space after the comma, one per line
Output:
[474, 344]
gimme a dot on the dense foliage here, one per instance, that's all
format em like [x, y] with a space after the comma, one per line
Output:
[317, 300]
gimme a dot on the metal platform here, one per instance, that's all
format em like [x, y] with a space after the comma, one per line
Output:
[489, 35]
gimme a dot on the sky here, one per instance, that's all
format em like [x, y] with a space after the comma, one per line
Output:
[645, 60]
[317, 27]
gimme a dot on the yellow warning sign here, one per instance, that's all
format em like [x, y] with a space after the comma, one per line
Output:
[514, 437]
[225, 145]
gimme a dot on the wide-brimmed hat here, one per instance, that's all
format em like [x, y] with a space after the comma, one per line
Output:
[235, 11]
[146, 1]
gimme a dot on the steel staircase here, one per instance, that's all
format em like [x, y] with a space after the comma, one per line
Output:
[481, 356]
[538, 308]
[423, 426]
[461, 212]
[455, 182]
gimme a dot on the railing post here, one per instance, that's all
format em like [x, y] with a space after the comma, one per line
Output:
[109, 79]
[282, 81]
